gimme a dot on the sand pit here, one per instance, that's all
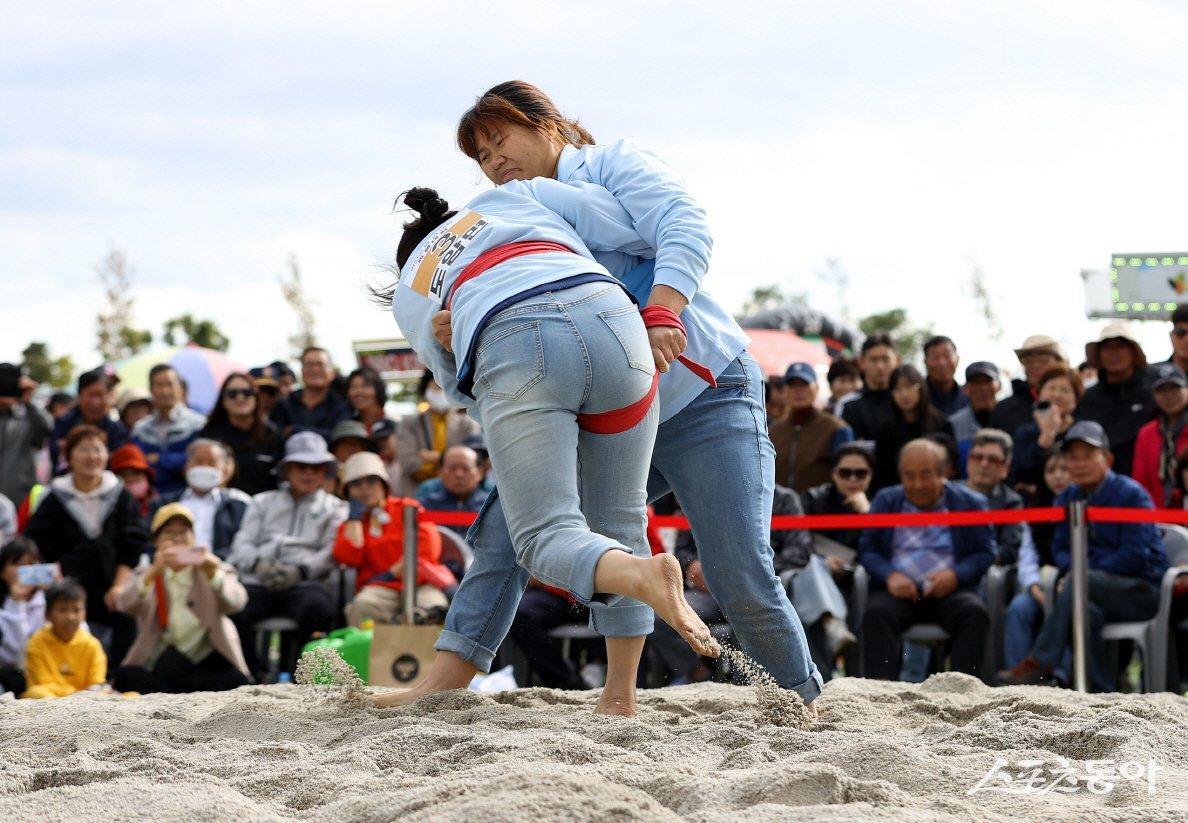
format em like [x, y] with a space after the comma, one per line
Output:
[882, 751]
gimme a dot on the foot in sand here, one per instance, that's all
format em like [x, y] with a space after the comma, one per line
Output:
[664, 591]
[616, 701]
[448, 671]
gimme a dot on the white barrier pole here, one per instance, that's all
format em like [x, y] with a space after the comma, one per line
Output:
[410, 564]
[1079, 574]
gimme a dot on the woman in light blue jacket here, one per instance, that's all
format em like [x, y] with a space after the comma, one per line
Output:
[712, 447]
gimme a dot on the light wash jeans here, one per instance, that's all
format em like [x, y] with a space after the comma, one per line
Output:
[716, 455]
[569, 496]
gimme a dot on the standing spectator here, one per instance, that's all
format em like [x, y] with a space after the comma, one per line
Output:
[184, 640]
[981, 387]
[844, 378]
[422, 438]
[134, 405]
[461, 485]
[367, 395]
[315, 406]
[871, 405]
[1160, 442]
[23, 427]
[372, 540]
[805, 438]
[22, 611]
[1126, 562]
[845, 493]
[90, 525]
[93, 408]
[925, 573]
[128, 463]
[63, 657]
[215, 513]
[1179, 336]
[912, 416]
[940, 362]
[988, 465]
[1121, 400]
[1060, 393]
[58, 404]
[239, 421]
[1038, 353]
[282, 549]
[164, 435]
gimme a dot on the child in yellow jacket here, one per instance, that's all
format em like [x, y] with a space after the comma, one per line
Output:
[62, 657]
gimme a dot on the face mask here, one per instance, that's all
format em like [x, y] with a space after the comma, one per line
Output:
[138, 488]
[437, 400]
[203, 478]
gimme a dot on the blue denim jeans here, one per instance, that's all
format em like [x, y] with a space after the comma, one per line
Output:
[716, 455]
[1020, 625]
[569, 495]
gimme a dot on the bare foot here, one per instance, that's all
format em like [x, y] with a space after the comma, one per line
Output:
[664, 591]
[404, 697]
[448, 671]
[812, 707]
[616, 703]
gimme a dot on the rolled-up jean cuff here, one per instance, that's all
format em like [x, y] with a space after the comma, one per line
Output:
[581, 581]
[810, 689]
[461, 645]
[629, 619]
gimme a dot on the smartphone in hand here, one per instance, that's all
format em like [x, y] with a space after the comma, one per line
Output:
[37, 574]
[188, 555]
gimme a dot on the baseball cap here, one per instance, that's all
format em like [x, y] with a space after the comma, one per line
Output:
[167, 513]
[801, 371]
[1086, 431]
[982, 368]
[1168, 373]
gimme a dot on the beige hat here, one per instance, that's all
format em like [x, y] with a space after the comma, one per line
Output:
[1041, 343]
[1117, 330]
[167, 513]
[132, 395]
[364, 464]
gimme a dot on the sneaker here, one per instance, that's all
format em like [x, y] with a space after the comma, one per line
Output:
[839, 637]
[1029, 672]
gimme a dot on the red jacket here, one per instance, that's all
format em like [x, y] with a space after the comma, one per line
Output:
[1146, 463]
[379, 553]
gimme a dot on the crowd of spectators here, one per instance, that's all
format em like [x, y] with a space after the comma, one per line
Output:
[168, 536]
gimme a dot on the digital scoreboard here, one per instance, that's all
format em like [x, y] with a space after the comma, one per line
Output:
[1148, 286]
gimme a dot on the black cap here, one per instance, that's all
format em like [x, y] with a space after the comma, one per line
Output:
[10, 380]
[1168, 373]
[1086, 431]
[982, 368]
[382, 428]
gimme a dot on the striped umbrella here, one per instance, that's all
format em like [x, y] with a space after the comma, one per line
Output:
[204, 371]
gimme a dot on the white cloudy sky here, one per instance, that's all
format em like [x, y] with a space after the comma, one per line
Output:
[209, 141]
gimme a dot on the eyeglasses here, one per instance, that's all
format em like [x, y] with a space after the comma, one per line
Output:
[992, 459]
[853, 474]
[1180, 331]
[232, 394]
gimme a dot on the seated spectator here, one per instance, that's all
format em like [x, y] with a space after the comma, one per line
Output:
[129, 464]
[240, 420]
[1055, 412]
[184, 640]
[461, 485]
[805, 438]
[981, 387]
[866, 409]
[90, 525]
[282, 549]
[925, 573]
[23, 428]
[58, 404]
[912, 416]
[134, 405]
[479, 444]
[372, 540]
[1121, 400]
[62, 657]
[383, 435]
[164, 435]
[349, 438]
[367, 395]
[987, 467]
[216, 513]
[22, 611]
[1161, 441]
[1038, 353]
[844, 378]
[940, 364]
[285, 378]
[315, 407]
[845, 493]
[422, 438]
[93, 408]
[1126, 562]
[1026, 610]
[8, 519]
[773, 400]
[264, 378]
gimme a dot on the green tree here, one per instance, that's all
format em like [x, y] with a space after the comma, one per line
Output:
[45, 368]
[117, 337]
[909, 338]
[199, 332]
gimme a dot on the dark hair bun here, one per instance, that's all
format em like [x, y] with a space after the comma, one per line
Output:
[426, 202]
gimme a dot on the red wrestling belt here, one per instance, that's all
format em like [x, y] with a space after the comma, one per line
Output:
[620, 420]
[663, 316]
[493, 257]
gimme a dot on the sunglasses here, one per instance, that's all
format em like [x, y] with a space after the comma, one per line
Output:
[853, 474]
[992, 459]
[232, 394]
